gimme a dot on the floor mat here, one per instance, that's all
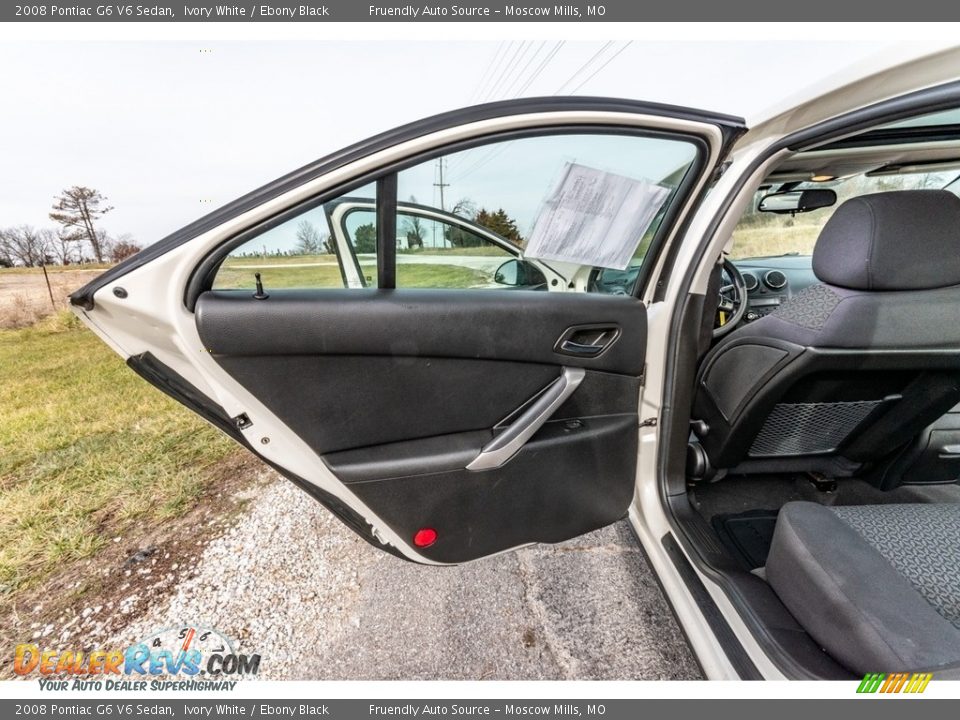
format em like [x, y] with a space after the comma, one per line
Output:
[734, 495]
[747, 536]
[731, 506]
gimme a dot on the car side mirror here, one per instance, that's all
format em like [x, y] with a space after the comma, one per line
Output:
[797, 201]
[518, 273]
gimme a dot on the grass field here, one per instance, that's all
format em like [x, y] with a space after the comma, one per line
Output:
[254, 262]
[484, 251]
[239, 274]
[88, 451]
[774, 239]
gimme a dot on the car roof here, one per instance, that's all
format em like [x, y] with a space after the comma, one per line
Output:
[894, 72]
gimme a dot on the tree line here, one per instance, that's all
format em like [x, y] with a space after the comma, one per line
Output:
[76, 237]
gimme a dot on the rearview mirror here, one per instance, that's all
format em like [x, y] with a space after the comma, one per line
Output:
[518, 273]
[797, 201]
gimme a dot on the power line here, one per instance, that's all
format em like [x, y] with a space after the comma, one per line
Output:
[508, 88]
[495, 68]
[580, 69]
[515, 77]
[540, 68]
[493, 90]
[610, 60]
[490, 69]
[496, 150]
[500, 148]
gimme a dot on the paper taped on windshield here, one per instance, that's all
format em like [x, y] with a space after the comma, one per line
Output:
[594, 217]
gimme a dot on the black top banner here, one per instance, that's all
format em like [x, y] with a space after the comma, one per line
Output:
[483, 11]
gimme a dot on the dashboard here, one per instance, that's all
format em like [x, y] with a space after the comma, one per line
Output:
[772, 280]
[613, 282]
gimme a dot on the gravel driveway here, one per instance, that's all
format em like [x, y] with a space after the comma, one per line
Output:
[291, 583]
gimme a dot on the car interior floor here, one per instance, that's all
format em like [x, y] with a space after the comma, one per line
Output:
[742, 509]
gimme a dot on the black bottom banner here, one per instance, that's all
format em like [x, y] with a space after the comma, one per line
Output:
[786, 709]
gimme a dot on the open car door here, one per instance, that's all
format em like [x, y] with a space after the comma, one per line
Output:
[446, 396]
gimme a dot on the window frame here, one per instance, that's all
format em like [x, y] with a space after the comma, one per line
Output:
[202, 278]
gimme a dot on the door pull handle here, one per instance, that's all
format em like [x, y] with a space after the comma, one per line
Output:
[505, 445]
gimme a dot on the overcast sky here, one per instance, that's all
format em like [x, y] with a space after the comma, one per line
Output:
[169, 131]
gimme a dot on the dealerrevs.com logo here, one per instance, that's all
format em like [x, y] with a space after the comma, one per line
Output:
[187, 657]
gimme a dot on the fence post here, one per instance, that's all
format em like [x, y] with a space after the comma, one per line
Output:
[46, 277]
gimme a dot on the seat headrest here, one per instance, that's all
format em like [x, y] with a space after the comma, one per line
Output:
[902, 240]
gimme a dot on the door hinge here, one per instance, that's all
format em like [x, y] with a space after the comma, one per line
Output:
[649, 422]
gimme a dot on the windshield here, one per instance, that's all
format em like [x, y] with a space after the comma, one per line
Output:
[764, 234]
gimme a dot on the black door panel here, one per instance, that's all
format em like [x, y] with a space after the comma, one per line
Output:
[522, 325]
[565, 482]
[337, 402]
[398, 390]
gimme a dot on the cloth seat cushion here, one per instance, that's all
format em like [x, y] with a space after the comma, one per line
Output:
[878, 586]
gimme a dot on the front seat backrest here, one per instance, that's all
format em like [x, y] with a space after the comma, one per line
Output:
[847, 370]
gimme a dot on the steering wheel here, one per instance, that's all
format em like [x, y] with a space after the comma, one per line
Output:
[733, 300]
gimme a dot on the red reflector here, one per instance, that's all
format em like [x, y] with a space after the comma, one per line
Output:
[425, 537]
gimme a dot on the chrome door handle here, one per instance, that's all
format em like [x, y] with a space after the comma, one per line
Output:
[587, 350]
[505, 445]
[587, 341]
[949, 452]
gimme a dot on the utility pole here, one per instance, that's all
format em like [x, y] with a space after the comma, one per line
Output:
[440, 185]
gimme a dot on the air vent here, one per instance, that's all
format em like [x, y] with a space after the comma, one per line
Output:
[775, 280]
[750, 280]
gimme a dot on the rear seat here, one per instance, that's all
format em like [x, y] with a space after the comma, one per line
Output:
[878, 586]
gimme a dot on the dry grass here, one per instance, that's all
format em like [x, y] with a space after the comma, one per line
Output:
[25, 299]
[774, 239]
[57, 269]
[17, 311]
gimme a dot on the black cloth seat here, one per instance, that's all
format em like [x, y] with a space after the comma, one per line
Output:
[877, 586]
[845, 371]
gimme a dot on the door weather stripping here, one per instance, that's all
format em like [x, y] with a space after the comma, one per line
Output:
[505, 445]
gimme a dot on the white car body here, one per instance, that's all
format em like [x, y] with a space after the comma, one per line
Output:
[148, 315]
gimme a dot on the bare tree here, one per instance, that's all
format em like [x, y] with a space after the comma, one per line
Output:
[6, 253]
[64, 247]
[413, 228]
[309, 241]
[26, 245]
[77, 209]
[107, 243]
[465, 207]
